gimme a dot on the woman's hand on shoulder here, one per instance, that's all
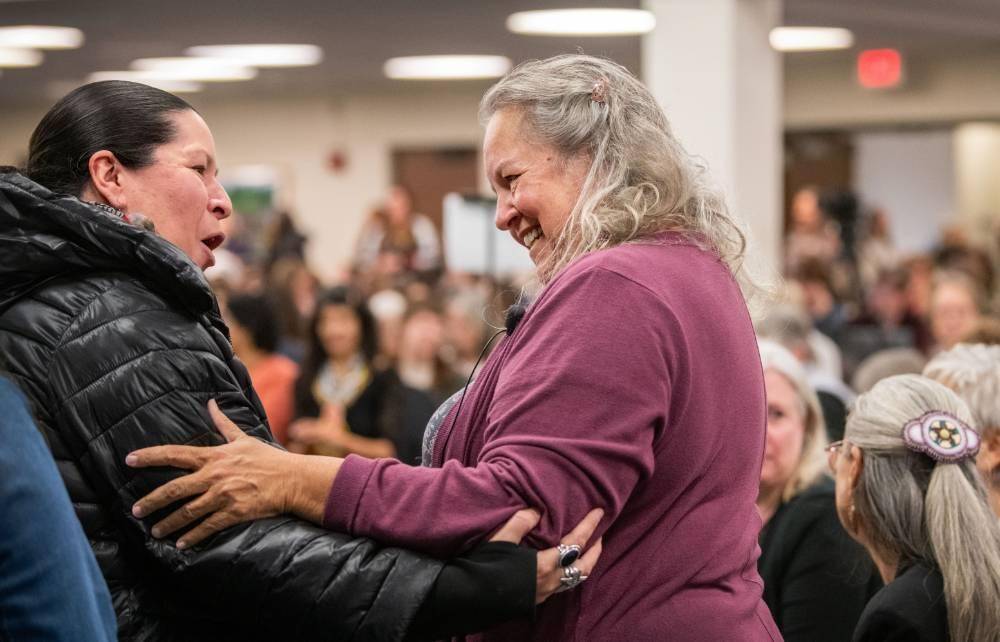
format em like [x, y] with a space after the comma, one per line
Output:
[550, 575]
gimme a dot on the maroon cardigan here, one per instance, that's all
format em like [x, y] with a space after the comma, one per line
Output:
[632, 384]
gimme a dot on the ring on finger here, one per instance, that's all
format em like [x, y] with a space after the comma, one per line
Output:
[568, 553]
[572, 577]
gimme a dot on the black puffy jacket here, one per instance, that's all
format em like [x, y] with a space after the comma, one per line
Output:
[116, 339]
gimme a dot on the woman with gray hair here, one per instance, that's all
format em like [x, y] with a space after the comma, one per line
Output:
[908, 491]
[816, 580]
[631, 383]
[973, 372]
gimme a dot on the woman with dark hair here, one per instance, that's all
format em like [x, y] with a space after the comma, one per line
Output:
[116, 339]
[343, 402]
[253, 330]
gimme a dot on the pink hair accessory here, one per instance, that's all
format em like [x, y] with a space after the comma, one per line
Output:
[599, 93]
[942, 436]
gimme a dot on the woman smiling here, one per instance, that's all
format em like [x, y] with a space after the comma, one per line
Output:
[114, 335]
[632, 383]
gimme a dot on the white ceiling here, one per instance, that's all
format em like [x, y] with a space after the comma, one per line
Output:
[358, 35]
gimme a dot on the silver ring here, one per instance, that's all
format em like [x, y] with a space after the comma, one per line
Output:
[572, 577]
[568, 553]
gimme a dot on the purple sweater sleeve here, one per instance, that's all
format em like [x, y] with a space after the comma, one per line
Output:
[577, 408]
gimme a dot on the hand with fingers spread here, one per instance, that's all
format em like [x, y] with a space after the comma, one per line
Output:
[552, 575]
[243, 480]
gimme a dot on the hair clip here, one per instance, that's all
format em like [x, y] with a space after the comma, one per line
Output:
[599, 92]
[942, 436]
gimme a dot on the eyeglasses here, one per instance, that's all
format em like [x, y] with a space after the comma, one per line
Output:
[832, 452]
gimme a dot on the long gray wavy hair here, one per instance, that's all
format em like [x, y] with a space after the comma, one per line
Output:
[911, 508]
[641, 181]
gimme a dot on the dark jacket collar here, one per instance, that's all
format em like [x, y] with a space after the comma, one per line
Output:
[44, 236]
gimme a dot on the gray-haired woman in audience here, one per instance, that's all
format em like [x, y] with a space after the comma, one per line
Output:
[908, 491]
[816, 580]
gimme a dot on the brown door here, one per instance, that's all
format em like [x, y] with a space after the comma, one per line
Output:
[429, 174]
[819, 159]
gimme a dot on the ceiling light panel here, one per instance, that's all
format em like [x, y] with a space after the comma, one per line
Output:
[446, 67]
[810, 38]
[151, 78]
[582, 22]
[41, 37]
[195, 69]
[15, 57]
[262, 55]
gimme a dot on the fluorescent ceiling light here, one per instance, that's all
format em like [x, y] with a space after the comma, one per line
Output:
[197, 69]
[150, 78]
[262, 55]
[446, 67]
[39, 37]
[582, 22]
[810, 38]
[14, 57]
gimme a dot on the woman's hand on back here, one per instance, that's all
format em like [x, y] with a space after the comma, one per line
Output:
[243, 480]
[549, 575]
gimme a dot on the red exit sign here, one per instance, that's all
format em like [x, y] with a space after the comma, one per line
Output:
[880, 69]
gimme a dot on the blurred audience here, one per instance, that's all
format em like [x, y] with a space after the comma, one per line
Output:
[956, 308]
[253, 329]
[876, 252]
[420, 364]
[388, 307]
[887, 363]
[293, 289]
[343, 402]
[811, 235]
[816, 580]
[828, 313]
[396, 242]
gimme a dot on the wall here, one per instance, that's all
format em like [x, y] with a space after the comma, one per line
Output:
[821, 92]
[911, 175]
[977, 163]
[297, 136]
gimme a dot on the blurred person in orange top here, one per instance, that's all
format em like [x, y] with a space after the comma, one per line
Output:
[253, 329]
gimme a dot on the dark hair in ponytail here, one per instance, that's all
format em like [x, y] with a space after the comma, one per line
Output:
[128, 119]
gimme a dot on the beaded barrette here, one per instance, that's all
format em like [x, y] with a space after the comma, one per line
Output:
[942, 436]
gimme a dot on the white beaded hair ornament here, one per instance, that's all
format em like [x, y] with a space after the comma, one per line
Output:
[941, 436]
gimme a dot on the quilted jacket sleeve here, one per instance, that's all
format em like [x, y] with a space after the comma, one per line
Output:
[129, 372]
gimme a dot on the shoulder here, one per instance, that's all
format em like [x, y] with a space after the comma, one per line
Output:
[806, 525]
[815, 503]
[910, 607]
[918, 588]
[125, 306]
[645, 260]
[67, 307]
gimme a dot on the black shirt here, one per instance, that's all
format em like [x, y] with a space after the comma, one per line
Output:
[911, 608]
[816, 578]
